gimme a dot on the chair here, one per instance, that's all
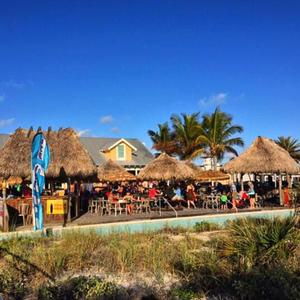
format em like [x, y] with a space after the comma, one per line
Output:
[103, 206]
[145, 206]
[92, 206]
[113, 206]
[122, 206]
[25, 213]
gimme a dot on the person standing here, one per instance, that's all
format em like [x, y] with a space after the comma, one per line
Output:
[191, 196]
[251, 194]
[234, 195]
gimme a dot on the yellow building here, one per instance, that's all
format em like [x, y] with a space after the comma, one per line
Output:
[130, 153]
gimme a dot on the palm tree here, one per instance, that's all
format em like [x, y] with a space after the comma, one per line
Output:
[187, 130]
[217, 135]
[291, 145]
[163, 139]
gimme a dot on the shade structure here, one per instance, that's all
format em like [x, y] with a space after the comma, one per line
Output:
[166, 167]
[207, 175]
[212, 175]
[111, 171]
[73, 158]
[68, 156]
[263, 156]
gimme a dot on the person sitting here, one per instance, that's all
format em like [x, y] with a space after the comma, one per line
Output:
[129, 202]
[178, 194]
[153, 192]
[244, 198]
[251, 194]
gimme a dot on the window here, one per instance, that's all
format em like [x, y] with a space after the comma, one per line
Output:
[121, 152]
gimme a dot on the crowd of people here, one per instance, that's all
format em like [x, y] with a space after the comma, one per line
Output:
[187, 194]
[181, 194]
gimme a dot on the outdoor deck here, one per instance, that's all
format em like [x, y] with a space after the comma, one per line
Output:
[95, 218]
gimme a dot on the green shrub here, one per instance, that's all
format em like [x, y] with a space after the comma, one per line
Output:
[80, 288]
[255, 242]
[206, 226]
[183, 294]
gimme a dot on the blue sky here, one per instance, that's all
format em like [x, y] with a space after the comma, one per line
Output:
[117, 68]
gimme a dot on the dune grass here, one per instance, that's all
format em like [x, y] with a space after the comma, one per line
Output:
[253, 252]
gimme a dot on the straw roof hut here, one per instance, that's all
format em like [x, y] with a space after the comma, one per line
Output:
[111, 171]
[166, 167]
[73, 158]
[15, 155]
[263, 156]
[212, 175]
[68, 156]
[207, 175]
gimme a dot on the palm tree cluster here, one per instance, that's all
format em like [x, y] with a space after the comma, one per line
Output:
[291, 145]
[191, 136]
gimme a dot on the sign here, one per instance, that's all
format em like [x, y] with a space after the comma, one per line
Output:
[56, 207]
[40, 157]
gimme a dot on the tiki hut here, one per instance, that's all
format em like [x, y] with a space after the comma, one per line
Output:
[263, 156]
[212, 175]
[15, 155]
[207, 175]
[166, 167]
[111, 171]
[68, 156]
[73, 158]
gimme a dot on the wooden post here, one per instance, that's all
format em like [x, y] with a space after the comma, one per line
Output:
[280, 190]
[242, 182]
[69, 199]
[5, 217]
[289, 181]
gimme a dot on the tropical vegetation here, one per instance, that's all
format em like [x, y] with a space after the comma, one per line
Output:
[163, 139]
[291, 145]
[192, 136]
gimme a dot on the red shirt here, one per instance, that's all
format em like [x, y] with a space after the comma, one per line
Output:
[152, 193]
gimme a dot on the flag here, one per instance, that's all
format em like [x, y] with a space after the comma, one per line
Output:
[40, 157]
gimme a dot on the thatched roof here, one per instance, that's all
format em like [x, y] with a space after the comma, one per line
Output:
[68, 156]
[166, 167]
[111, 171]
[212, 175]
[207, 175]
[73, 157]
[263, 156]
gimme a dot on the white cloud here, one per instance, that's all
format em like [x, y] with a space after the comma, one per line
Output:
[83, 132]
[215, 99]
[115, 129]
[6, 122]
[2, 97]
[106, 119]
[14, 84]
